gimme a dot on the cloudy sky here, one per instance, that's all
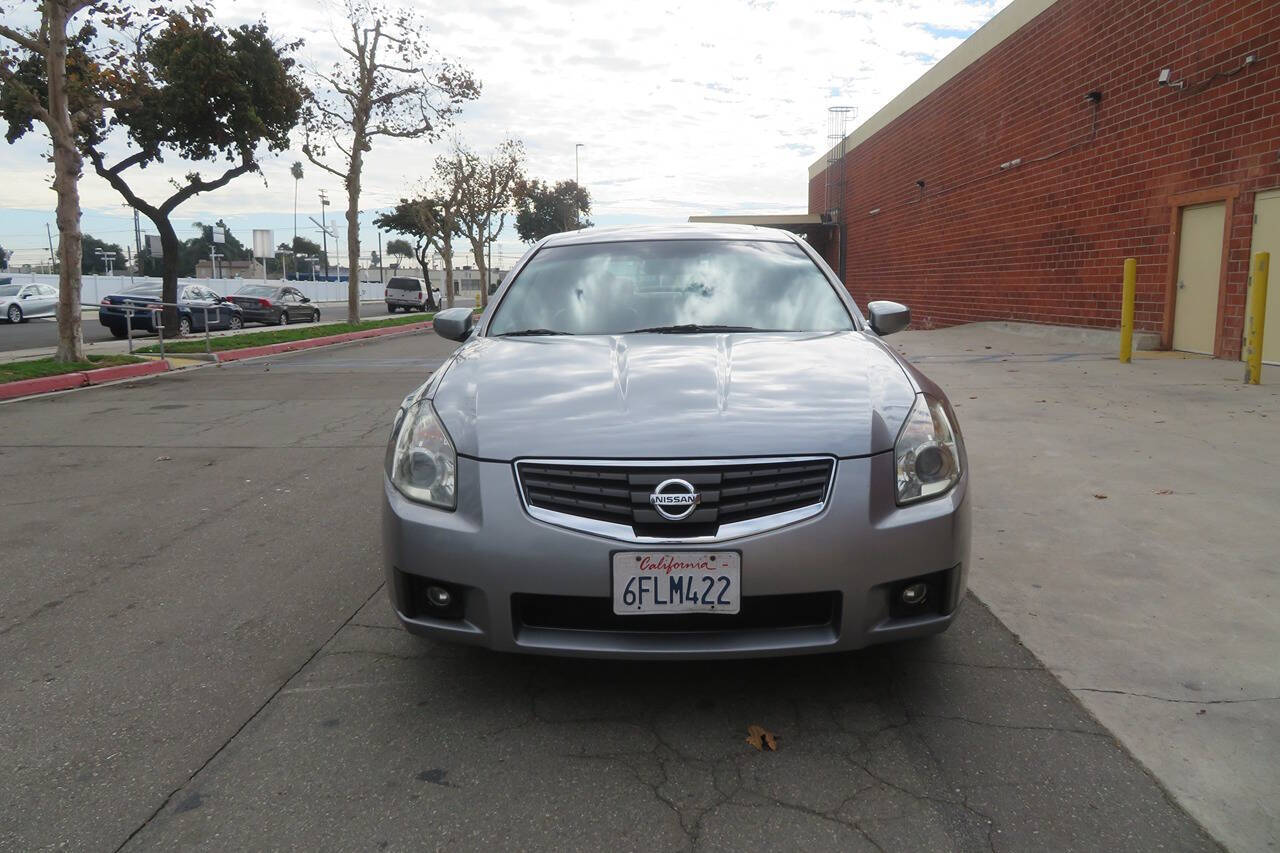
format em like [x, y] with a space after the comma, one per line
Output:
[701, 106]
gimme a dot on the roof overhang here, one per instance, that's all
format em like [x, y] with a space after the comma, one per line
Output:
[798, 223]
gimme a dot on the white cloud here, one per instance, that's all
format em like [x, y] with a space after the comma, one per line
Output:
[684, 107]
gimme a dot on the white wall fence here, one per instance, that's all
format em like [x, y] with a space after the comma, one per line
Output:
[94, 287]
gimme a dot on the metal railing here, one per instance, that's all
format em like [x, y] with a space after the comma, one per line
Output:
[156, 309]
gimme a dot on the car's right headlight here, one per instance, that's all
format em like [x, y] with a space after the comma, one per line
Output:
[927, 452]
[423, 464]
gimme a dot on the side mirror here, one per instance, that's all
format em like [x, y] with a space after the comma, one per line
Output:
[454, 323]
[888, 317]
[306, 299]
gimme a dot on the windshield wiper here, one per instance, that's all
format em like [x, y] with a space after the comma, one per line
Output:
[527, 333]
[695, 328]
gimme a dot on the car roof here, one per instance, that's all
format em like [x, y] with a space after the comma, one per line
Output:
[680, 231]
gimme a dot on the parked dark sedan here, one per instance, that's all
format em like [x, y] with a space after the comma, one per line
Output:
[276, 305]
[195, 302]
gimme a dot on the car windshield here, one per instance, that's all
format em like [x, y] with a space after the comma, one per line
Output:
[256, 290]
[676, 286]
[9, 290]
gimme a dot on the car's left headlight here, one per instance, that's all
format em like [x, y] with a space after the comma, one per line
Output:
[423, 464]
[927, 452]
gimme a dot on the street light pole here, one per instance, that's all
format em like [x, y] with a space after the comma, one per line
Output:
[577, 217]
[324, 231]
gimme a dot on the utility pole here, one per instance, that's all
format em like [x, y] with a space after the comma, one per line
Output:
[53, 259]
[324, 231]
[380, 275]
[137, 231]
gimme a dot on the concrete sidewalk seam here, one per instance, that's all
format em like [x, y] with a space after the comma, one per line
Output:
[257, 711]
[1178, 701]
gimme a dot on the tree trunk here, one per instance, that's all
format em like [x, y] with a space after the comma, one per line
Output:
[477, 249]
[353, 234]
[169, 247]
[446, 255]
[426, 276]
[67, 166]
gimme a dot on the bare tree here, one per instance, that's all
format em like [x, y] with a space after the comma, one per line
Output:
[389, 83]
[485, 187]
[437, 216]
[34, 86]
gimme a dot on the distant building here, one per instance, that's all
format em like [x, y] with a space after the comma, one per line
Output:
[232, 269]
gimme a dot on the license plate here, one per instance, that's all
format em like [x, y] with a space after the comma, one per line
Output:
[676, 582]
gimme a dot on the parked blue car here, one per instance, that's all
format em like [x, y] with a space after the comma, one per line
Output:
[193, 299]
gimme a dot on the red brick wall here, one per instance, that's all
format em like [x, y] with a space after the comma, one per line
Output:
[1045, 242]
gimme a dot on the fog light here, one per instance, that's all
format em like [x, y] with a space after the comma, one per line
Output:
[439, 596]
[913, 594]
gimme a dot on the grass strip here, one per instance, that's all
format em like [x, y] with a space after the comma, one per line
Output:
[280, 335]
[13, 371]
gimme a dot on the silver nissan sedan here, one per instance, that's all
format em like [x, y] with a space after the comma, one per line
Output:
[676, 442]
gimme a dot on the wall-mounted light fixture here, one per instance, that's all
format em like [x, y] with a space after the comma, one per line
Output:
[873, 211]
[1166, 79]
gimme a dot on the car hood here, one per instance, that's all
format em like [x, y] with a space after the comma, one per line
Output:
[673, 396]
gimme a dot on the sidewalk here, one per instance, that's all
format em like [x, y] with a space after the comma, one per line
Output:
[1125, 528]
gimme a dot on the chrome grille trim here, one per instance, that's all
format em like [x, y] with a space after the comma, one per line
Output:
[623, 532]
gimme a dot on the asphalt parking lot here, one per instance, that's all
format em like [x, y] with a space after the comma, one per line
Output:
[197, 652]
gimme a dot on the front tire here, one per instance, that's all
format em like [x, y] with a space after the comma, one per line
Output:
[284, 318]
[315, 316]
[118, 332]
[15, 314]
[184, 326]
[235, 323]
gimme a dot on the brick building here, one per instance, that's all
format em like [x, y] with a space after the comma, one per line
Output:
[1012, 179]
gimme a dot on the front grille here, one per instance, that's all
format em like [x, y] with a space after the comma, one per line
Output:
[758, 612]
[728, 492]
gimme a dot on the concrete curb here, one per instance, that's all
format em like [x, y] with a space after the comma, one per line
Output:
[310, 343]
[79, 379]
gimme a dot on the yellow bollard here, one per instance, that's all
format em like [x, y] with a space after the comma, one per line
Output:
[1256, 320]
[1126, 309]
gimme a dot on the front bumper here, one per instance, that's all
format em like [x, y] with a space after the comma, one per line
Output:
[496, 558]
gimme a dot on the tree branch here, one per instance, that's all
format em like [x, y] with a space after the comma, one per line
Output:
[118, 184]
[132, 160]
[23, 39]
[316, 161]
[196, 186]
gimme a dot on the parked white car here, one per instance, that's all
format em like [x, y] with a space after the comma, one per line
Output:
[19, 302]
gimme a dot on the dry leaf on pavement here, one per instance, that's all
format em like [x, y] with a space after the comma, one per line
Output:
[762, 739]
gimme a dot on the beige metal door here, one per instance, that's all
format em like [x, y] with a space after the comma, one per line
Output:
[1195, 313]
[1266, 238]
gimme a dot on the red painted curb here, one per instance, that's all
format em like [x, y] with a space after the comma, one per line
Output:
[43, 385]
[124, 371]
[79, 379]
[310, 343]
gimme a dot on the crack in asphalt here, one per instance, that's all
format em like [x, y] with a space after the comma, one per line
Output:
[1174, 700]
[245, 724]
